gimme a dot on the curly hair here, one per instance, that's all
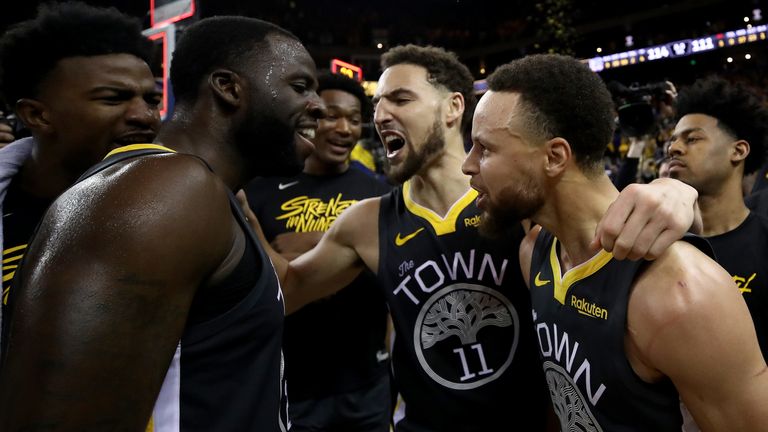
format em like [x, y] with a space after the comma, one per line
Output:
[738, 111]
[331, 81]
[217, 42]
[563, 98]
[30, 50]
[443, 70]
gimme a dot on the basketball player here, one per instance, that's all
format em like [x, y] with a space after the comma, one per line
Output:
[86, 89]
[464, 355]
[145, 273]
[621, 342]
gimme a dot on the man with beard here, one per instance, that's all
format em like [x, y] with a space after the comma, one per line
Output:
[621, 342]
[464, 354]
[351, 390]
[146, 269]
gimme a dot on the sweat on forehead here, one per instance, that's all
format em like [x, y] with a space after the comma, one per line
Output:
[218, 42]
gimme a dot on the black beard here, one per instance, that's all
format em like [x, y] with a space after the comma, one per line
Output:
[515, 205]
[269, 147]
[498, 229]
[434, 145]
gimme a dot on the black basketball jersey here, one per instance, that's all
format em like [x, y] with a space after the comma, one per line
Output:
[580, 319]
[227, 373]
[336, 344]
[464, 357]
[21, 215]
[743, 252]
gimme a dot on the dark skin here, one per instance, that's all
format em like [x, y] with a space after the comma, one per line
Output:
[336, 134]
[85, 107]
[103, 322]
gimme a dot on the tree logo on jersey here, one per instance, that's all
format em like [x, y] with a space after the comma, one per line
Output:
[574, 414]
[466, 335]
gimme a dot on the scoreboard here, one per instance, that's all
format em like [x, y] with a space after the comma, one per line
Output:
[679, 48]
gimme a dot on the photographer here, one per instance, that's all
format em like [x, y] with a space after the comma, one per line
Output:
[644, 119]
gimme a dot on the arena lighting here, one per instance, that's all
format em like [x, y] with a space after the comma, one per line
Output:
[348, 69]
[679, 48]
[162, 12]
[166, 37]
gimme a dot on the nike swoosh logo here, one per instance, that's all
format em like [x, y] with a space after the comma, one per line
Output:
[403, 240]
[282, 186]
[538, 282]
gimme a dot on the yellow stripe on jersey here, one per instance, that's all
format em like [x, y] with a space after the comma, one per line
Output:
[151, 425]
[13, 249]
[9, 276]
[442, 225]
[12, 259]
[581, 271]
[133, 147]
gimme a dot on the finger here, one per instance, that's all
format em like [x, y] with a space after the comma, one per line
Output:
[625, 240]
[661, 244]
[612, 223]
[6, 138]
[595, 243]
[646, 238]
[242, 198]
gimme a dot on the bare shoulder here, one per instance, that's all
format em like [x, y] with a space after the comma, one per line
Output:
[679, 295]
[159, 205]
[682, 280]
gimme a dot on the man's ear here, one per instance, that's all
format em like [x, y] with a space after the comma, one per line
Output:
[455, 108]
[227, 86]
[559, 155]
[740, 151]
[34, 114]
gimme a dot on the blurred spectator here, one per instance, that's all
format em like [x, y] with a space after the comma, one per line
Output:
[644, 119]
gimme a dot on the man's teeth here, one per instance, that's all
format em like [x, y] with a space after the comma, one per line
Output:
[307, 133]
[389, 138]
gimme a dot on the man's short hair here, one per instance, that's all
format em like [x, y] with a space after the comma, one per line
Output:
[443, 70]
[738, 111]
[563, 98]
[330, 81]
[218, 42]
[32, 48]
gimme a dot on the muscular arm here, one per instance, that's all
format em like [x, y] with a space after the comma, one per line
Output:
[688, 321]
[107, 285]
[292, 244]
[350, 245]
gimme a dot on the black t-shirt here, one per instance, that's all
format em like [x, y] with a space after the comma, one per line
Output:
[743, 252]
[336, 344]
